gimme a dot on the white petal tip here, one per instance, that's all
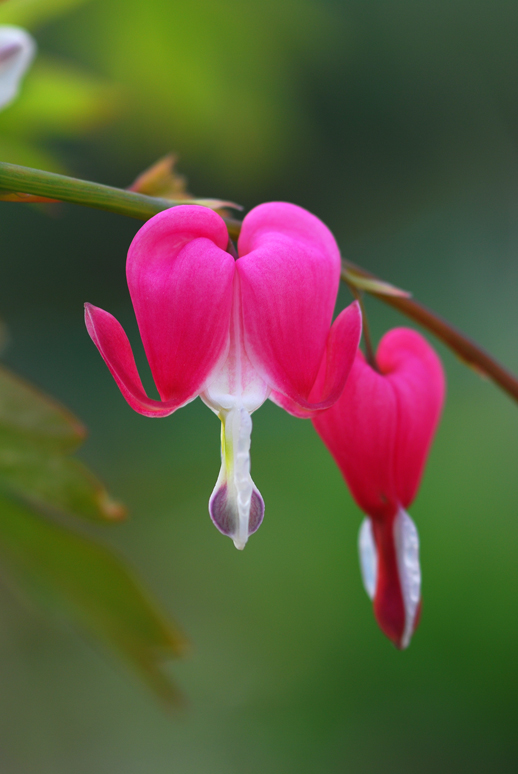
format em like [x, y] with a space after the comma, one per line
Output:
[368, 557]
[406, 541]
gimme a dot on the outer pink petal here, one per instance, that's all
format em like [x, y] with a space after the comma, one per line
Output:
[341, 347]
[380, 430]
[180, 279]
[108, 336]
[359, 431]
[417, 378]
[289, 269]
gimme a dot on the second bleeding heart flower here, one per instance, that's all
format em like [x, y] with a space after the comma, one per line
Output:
[233, 330]
[379, 433]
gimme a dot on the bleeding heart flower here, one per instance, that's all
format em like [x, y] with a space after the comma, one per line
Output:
[17, 49]
[233, 330]
[379, 433]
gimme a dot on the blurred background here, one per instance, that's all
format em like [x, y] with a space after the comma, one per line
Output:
[397, 124]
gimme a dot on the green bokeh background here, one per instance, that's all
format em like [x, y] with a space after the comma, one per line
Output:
[397, 123]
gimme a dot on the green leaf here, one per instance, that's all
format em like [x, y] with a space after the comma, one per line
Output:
[69, 573]
[53, 481]
[33, 416]
[85, 582]
[36, 433]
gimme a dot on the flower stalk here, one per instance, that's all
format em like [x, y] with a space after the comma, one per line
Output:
[466, 350]
[18, 179]
[34, 184]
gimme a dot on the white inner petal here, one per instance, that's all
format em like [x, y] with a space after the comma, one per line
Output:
[406, 542]
[233, 393]
[368, 557]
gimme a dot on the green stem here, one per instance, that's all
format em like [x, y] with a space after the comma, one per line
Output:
[102, 197]
[136, 205]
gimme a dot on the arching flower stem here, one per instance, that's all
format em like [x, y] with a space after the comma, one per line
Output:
[466, 350]
[35, 183]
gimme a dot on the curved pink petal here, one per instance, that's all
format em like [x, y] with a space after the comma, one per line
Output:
[337, 361]
[180, 279]
[289, 269]
[359, 431]
[380, 430]
[108, 336]
[417, 378]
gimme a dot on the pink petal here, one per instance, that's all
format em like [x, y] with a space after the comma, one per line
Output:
[108, 336]
[337, 361]
[289, 269]
[380, 430]
[180, 279]
[359, 431]
[417, 378]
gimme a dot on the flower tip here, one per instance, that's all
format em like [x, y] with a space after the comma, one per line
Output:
[225, 514]
[389, 561]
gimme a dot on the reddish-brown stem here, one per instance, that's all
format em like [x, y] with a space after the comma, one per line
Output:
[466, 349]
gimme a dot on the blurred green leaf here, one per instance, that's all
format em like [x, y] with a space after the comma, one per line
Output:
[35, 435]
[84, 581]
[35, 417]
[31, 13]
[58, 99]
[53, 481]
[68, 572]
